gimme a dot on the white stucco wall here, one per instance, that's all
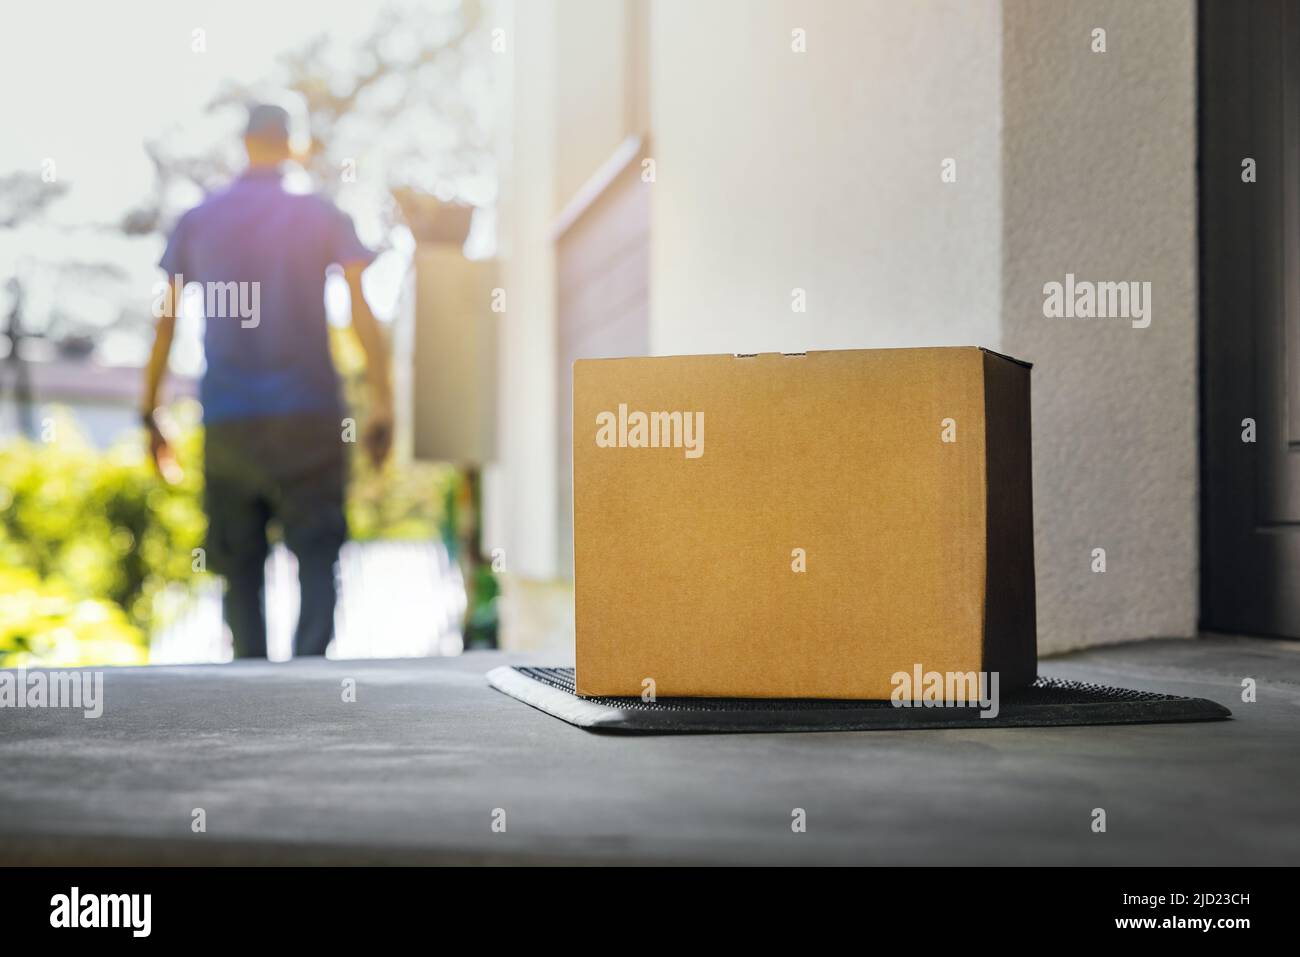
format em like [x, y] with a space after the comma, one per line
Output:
[526, 487]
[821, 171]
[1099, 179]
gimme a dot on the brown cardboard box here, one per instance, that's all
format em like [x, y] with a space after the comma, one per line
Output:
[898, 480]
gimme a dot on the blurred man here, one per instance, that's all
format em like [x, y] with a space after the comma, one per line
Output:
[273, 416]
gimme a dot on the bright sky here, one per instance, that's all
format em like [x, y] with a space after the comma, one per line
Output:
[86, 83]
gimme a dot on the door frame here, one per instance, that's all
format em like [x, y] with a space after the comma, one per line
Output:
[1248, 93]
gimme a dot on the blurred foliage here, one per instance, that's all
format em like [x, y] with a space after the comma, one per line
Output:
[24, 195]
[45, 623]
[100, 524]
[397, 502]
[462, 531]
[482, 623]
[403, 500]
[90, 538]
[408, 99]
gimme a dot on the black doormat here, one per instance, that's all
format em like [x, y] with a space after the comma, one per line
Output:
[1048, 702]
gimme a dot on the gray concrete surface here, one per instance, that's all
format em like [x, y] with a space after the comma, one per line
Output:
[413, 770]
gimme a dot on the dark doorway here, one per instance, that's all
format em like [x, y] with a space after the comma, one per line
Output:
[1249, 92]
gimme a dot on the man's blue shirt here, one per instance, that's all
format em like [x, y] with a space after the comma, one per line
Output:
[253, 231]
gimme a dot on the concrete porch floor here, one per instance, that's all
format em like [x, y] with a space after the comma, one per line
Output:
[416, 768]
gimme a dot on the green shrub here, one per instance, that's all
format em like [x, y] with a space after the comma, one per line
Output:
[89, 538]
[100, 524]
[44, 623]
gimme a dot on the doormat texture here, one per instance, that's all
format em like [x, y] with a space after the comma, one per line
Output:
[1048, 702]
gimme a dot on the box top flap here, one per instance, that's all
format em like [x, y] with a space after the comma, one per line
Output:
[1003, 355]
[812, 352]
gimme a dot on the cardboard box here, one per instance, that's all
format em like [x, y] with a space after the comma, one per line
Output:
[801, 526]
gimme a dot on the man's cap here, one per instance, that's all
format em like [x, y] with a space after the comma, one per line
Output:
[268, 121]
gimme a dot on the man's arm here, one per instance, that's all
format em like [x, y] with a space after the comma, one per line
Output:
[163, 333]
[378, 434]
[165, 330]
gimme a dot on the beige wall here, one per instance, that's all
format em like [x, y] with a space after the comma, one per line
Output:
[820, 170]
[1099, 154]
[591, 88]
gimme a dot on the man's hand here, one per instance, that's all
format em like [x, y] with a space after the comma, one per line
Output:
[160, 450]
[378, 434]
